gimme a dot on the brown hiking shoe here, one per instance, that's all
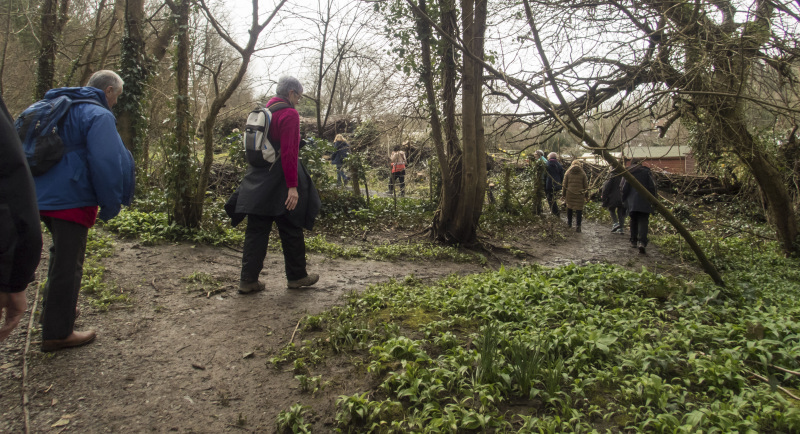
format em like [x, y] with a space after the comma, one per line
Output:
[251, 287]
[306, 281]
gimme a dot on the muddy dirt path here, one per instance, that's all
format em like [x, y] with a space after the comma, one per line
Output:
[191, 357]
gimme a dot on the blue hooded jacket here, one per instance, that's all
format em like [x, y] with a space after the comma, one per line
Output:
[96, 168]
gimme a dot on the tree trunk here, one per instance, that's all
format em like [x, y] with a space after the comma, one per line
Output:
[770, 181]
[460, 207]
[321, 73]
[50, 30]
[184, 212]
[6, 37]
[133, 73]
[426, 77]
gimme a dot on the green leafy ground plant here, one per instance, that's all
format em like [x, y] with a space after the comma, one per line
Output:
[576, 349]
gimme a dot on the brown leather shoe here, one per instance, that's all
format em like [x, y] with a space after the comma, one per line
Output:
[76, 339]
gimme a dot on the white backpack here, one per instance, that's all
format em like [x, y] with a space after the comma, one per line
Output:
[257, 147]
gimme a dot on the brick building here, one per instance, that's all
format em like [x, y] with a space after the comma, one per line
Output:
[672, 159]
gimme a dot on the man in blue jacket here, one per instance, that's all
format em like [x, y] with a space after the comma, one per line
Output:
[20, 231]
[96, 171]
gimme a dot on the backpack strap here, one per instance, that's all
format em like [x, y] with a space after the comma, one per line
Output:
[276, 107]
[88, 101]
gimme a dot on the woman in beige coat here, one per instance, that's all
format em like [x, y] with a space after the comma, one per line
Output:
[576, 185]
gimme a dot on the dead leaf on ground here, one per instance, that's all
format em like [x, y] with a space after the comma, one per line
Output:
[61, 422]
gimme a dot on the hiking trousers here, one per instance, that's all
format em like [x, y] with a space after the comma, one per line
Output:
[578, 217]
[553, 202]
[639, 223]
[256, 241]
[399, 179]
[64, 273]
[617, 214]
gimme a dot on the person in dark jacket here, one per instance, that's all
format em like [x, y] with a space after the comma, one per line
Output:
[282, 193]
[341, 151]
[96, 171]
[553, 179]
[639, 208]
[20, 231]
[611, 197]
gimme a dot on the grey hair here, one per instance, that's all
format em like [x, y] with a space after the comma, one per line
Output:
[287, 84]
[104, 78]
[552, 155]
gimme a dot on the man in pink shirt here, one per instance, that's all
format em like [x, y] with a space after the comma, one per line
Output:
[281, 192]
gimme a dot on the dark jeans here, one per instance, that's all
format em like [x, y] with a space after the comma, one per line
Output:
[256, 240]
[617, 214]
[398, 178]
[553, 202]
[639, 223]
[63, 277]
[341, 177]
[578, 217]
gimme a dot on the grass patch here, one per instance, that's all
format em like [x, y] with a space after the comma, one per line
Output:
[203, 282]
[101, 294]
[388, 251]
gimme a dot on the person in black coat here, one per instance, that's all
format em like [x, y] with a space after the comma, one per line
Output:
[611, 196]
[341, 151]
[20, 231]
[553, 178]
[639, 208]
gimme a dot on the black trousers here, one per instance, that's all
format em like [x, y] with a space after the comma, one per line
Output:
[256, 241]
[617, 214]
[553, 202]
[63, 277]
[639, 223]
[578, 216]
[399, 179]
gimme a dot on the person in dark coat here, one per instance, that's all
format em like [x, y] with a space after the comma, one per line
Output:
[20, 231]
[553, 178]
[280, 193]
[639, 208]
[611, 197]
[341, 151]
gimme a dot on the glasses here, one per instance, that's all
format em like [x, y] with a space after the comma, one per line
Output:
[299, 95]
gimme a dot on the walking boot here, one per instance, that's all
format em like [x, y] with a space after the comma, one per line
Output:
[306, 281]
[251, 287]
